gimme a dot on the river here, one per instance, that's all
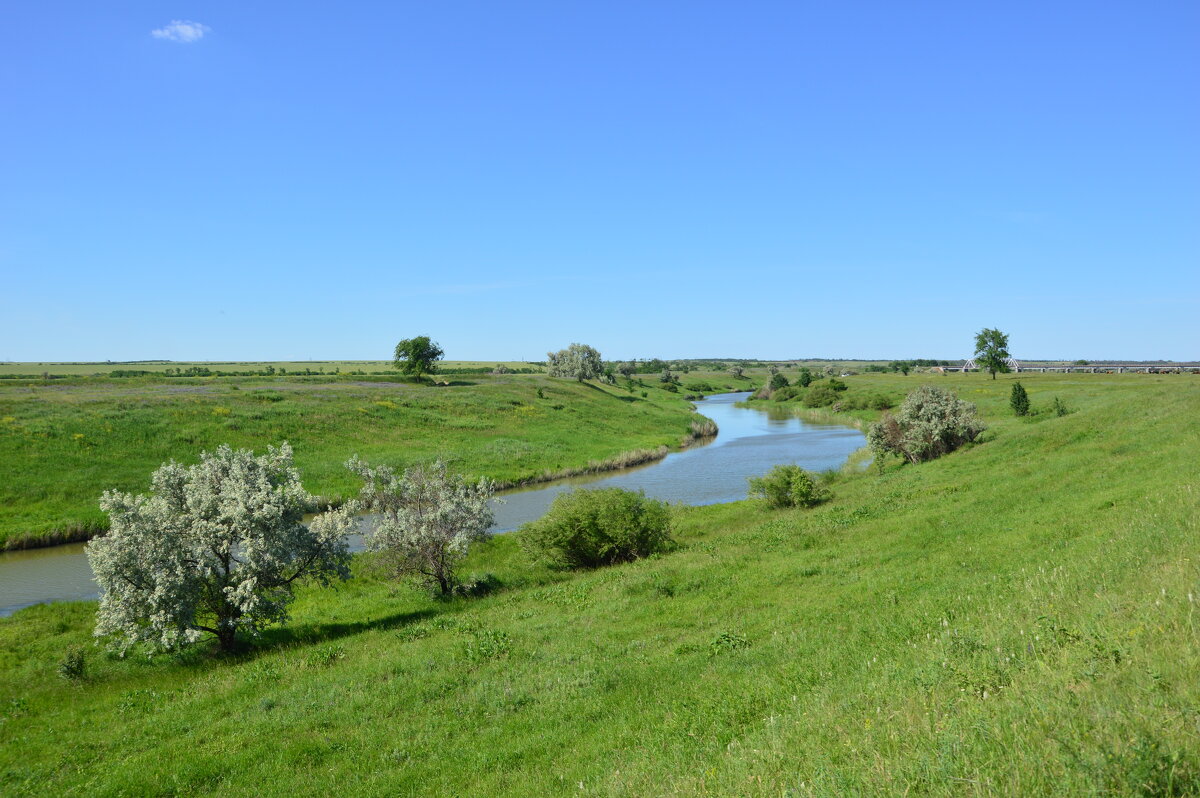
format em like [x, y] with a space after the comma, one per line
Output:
[751, 441]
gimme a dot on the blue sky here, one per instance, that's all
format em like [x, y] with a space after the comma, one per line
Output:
[233, 180]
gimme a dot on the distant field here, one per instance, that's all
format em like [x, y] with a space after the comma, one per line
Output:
[323, 366]
[63, 443]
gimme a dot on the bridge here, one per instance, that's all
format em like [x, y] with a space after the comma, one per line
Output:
[1098, 368]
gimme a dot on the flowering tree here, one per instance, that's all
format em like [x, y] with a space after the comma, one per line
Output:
[215, 549]
[931, 422]
[428, 519]
[578, 360]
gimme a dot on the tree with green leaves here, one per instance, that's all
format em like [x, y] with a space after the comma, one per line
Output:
[417, 356]
[1018, 399]
[991, 351]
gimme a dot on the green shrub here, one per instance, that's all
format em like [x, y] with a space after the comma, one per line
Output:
[778, 381]
[590, 528]
[1018, 399]
[820, 396]
[788, 486]
[1059, 407]
[931, 422]
[73, 666]
[787, 394]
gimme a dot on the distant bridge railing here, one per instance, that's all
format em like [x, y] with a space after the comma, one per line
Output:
[1099, 368]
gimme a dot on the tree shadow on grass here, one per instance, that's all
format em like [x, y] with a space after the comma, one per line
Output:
[610, 391]
[309, 633]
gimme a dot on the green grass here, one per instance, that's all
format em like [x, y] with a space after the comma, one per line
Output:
[1018, 618]
[62, 444]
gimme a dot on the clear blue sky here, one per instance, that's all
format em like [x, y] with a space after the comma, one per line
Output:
[672, 179]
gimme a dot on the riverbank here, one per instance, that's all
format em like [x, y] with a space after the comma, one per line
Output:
[1017, 618]
[62, 445]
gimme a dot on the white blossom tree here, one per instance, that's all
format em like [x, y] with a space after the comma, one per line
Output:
[214, 550]
[578, 360]
[931, 422]
[428, 519]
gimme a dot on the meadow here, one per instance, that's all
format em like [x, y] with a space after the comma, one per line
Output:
[1016, 618]
[63, 442]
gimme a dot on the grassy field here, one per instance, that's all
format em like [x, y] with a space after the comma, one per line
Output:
[65, 442]
[97, 369]
[1017, 618]
[291, 366]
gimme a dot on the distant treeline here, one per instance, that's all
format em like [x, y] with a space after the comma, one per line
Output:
[907, 365]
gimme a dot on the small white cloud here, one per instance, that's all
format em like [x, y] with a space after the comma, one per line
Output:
[183, 31]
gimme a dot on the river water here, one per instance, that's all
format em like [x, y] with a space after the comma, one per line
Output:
[751, 441]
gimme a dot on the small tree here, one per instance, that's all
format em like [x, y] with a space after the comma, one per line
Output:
[1019, 400]
[428, 518]
[788, 486]
[215, 549]
[417, 356]
[578, 360]
[991, 351]
[778, 381]
[590, 528]
[736, 371]
[806, 377]
[627, 369]
[931, 422]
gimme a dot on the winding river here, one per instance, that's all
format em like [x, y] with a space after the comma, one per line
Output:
[751, 441]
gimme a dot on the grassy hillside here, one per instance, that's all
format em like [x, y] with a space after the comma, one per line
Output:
[1018, 618]
[63, 444]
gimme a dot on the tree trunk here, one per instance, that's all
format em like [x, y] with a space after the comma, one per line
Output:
[227, 638]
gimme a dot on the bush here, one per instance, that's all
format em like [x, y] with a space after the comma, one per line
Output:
[778, 381]
[1059, 407]
[786, 394]
[73, 666]
[880, 402]
[1019, 400]
[788, 486]
[820, 396]
[931, 422]
[590, 528]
